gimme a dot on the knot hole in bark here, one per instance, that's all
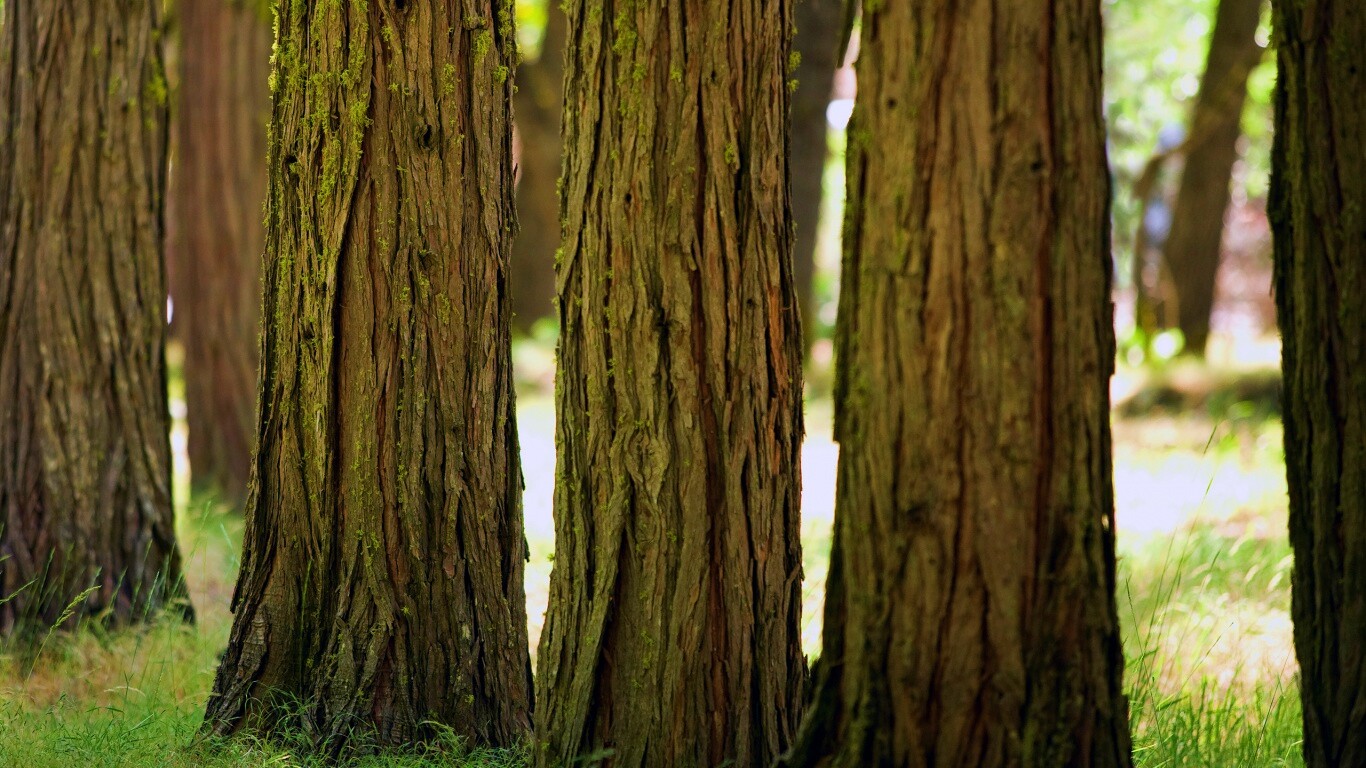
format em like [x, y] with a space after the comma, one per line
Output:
[426, 136]
[917, 514]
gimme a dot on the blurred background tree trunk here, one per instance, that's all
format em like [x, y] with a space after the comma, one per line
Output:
[218, 188]
[537, 102]
[819, 28]
[1193, 247]
[86, 521]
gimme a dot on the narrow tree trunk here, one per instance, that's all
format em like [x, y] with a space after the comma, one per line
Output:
[819, 25]
[970, 616]
[85, 461]
[217, 186]
[1318, 219]
[539, 95]
[672, 634]
[381, 585]
[1193, 248]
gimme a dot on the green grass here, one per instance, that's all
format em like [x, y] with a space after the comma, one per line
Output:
[1206, 630]
[1205, 613]
[94, 699]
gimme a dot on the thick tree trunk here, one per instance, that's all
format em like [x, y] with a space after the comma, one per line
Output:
[672, 634]
[1193, 248]
[817, 41]
[85, 464]
[381, 585]
[1318, 218]
[217, 186]
[970, 616]
[539, 95]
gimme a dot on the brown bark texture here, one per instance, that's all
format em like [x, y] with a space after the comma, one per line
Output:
[86, 522]
[817, 43]
[970, 618]
[381, 586]
[1194, 245]
[672, 634]
[539, 95]
[218, 185]
[1318, 218]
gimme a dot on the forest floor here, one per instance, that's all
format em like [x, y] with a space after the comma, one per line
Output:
[1203, 598]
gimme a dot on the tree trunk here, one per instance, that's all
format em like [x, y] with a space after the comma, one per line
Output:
[85, 461]
[672, 634]
[970, 616]
[818, 41]
[539, 95]
[1193, 248]
[381, 585]
[217, 186]
[1318, 218]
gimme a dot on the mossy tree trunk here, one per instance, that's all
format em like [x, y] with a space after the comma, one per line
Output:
[540, 93]
[1318, 220]
[672, 633]
[218, 184]
[818, 44]
[1193, 249]
[85, 460]
[381, 585]
[970, 614]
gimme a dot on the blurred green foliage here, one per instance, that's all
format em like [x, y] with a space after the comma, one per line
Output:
[531, 18]
[1154, 56]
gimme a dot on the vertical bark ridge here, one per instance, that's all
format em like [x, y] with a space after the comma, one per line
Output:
[85, 466]
[1318, 218]
[381, 586]
[672, 635]
[970, 616]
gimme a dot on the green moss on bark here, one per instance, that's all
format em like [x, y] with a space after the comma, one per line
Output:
[381, 589]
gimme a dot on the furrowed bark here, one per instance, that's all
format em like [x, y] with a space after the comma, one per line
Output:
[218, 185]
[86, 522]
[970, 619]
[1318, 219]
[381, 586]
[672, 634]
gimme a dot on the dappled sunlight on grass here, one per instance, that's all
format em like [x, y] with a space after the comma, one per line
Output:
[1204, 569]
